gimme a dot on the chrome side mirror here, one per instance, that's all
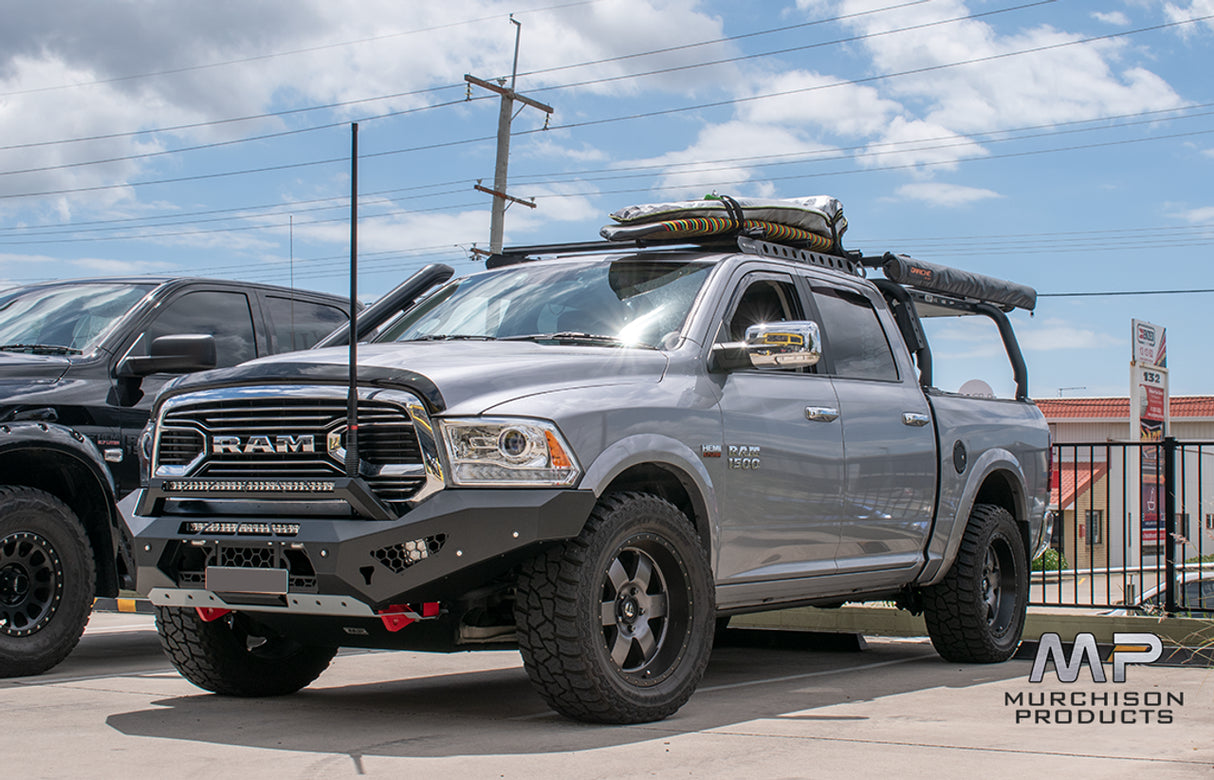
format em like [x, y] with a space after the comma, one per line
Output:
[792, 344]
[784, 344]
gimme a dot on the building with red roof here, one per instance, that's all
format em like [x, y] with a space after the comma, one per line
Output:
[1096, 490]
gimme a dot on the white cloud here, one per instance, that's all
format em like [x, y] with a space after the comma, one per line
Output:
[1198, 216]
[1193, 10]
[1054, 85]
[941, 194]
[916, 142]
[1058, 334]
[44, 50]
[688, 176]
[1116, 18]
[96, 266]
[845, 109]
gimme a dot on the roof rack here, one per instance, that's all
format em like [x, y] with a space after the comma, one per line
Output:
[848, 263]
[952, 283]
[521, 254]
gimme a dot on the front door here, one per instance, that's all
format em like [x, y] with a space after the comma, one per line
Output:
[783, 448]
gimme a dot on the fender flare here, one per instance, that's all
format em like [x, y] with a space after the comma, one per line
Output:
[662, 451]
[59, 441]
[946, 535]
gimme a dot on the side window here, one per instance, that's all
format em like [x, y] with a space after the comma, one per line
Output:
[299, 324]
[224, 315]
[764, 300]
[855, 341]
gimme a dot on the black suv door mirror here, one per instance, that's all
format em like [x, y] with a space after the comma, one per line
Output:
[179, 354]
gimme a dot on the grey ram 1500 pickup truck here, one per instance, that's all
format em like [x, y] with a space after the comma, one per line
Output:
[594, 458]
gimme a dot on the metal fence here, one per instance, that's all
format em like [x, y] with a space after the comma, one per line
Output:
[1133, 529]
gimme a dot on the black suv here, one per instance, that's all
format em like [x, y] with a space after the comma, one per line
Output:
[78, 372]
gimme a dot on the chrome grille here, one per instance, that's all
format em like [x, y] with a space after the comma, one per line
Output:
[386, 438]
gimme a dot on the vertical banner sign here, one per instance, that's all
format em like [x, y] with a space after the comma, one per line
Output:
[1149, 421]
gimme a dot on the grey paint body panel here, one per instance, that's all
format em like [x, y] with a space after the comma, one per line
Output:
[854, 507]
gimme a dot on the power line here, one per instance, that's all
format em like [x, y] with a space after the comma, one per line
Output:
[232, 141]
[549, 178]
[642, 115]
[870, 79]
[1122, 293]
[291, 52]
[789, 50]
[457, 85]
[297, 131]
[232, 229]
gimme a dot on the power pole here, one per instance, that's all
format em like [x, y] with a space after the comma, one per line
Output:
[500, 198]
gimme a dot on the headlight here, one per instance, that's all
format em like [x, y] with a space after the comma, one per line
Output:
[497, 451]
[144, 447]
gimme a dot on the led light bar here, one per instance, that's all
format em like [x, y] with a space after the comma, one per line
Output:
[241, 529]
[248, 486]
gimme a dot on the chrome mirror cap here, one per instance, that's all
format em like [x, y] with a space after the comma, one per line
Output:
[792, 344]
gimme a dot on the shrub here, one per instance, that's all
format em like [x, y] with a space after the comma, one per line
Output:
[1050, 560]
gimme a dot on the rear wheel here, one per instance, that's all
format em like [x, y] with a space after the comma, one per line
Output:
[47, 578]
[616, 625]
[235, 656]
[976, 613]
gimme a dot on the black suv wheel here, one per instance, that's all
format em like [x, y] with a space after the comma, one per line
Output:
[47, 577]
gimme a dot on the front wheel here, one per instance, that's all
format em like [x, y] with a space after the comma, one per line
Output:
[235, 656]
[615, 626]
[47, 578]
[976, 613]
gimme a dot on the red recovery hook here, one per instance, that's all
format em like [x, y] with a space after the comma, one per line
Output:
[397, 616]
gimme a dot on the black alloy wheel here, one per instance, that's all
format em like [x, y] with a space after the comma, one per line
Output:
[31, 583]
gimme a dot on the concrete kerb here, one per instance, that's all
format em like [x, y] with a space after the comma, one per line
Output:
[1194, 636]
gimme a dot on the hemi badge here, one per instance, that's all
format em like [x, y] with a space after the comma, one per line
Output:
[710, 450]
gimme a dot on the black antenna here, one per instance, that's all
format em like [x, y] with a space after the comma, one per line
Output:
[352, 397]
[292, 250]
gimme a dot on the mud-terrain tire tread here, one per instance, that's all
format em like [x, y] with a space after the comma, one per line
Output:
[29, 509]
[953, 609]
[559, 651]
[210, 655]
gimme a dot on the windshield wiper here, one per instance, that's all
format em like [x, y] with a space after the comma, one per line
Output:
[574, 336]
[453, 337]
[40, 349]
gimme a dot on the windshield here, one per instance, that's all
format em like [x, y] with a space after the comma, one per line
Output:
[625, 302]
[63, 319]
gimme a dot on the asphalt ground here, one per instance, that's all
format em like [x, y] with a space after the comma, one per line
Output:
[772, 705]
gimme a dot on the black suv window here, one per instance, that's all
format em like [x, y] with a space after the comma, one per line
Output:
[854, 339]
[298, 324]
[224, 315]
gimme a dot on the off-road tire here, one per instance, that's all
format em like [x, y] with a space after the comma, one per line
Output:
[591, 597]
[47, 579]
[976, 613]
[234, 657]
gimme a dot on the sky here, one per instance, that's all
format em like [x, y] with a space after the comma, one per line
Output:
[1067, 145]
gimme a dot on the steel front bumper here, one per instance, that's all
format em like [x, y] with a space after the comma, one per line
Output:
[448, 544]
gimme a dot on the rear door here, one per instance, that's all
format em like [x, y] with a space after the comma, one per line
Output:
[889, 444]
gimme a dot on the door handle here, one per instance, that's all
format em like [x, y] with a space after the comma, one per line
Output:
[916, 419]
[821, 413]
